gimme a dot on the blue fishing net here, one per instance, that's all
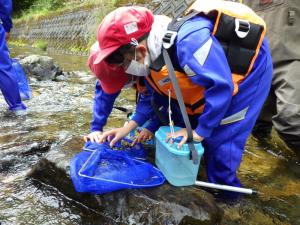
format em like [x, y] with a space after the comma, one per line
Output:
[21, 78]
[134, 133]
[100, 169]
[137, 151]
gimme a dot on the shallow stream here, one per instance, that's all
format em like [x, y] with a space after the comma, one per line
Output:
[60, 111]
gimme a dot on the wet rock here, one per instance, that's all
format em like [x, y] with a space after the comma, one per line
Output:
[19, 157]
[82, 76]
[25, 149]
[61, 78]
[40, 67]
[161, 205]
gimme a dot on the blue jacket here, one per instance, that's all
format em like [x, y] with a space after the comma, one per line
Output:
[103, 105]
[5, 14]
[201, 56]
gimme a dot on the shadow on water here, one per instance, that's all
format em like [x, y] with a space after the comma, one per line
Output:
[60, 111]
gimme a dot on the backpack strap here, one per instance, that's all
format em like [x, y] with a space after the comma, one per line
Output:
[239, 40]
[173, 27]
[193, 151]
[168, 42]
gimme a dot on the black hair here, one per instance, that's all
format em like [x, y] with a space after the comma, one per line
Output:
[117, 57]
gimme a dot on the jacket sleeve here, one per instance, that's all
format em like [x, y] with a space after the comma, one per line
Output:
[103, 105]
[5, 14]
[203, 59]
[144, 109]
[152, 124]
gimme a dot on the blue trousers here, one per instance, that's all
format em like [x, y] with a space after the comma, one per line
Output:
[225, 147]
[8, 84]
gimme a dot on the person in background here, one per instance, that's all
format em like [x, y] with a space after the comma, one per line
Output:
[224, 112]
[282, 107]
[8, 84]
[111, 80]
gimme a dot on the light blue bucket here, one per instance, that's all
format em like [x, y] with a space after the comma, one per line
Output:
[175, 163]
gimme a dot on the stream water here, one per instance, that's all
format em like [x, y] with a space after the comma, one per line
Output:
[60, 111]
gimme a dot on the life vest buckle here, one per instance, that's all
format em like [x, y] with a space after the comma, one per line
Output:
[169, 38]
[242, 28]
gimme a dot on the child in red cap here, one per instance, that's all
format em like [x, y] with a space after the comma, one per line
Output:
[222, 105]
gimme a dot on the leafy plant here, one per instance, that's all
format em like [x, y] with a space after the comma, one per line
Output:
[41, 44]
[21, 6]
[55, 4]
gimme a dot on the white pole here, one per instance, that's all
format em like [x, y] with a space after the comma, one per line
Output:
[225, 187]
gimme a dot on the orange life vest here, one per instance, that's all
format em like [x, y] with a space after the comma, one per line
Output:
[191, 93]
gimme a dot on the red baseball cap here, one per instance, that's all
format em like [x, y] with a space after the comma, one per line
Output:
[120, 26]
[112, 79]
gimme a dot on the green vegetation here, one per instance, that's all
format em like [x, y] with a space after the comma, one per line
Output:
[19, 43]
[22, 8]
[41, 44]
[131, 2]
[35, 9]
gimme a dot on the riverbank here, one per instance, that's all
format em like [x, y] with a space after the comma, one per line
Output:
[70, 29]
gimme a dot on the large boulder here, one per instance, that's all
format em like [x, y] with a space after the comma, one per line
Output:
[40, 67]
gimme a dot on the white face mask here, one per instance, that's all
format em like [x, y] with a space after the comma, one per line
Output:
[138, 69]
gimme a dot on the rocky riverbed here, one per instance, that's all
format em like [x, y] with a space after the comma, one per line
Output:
[35, 151]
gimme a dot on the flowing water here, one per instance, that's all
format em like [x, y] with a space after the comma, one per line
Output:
[60, 111]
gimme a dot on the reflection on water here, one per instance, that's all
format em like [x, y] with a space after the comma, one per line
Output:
[60, 111]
